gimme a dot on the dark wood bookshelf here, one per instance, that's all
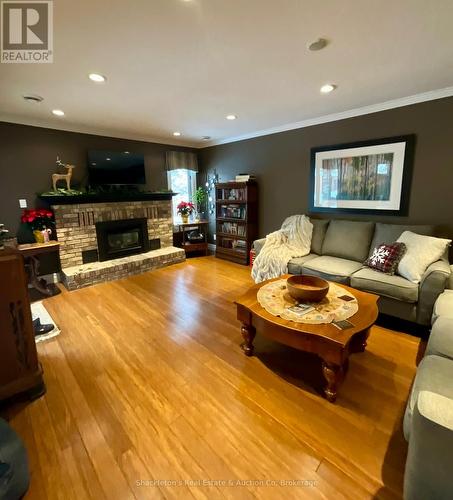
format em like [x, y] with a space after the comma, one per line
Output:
[227, 235]
[232, 219]
[236, 220]
[233, 202]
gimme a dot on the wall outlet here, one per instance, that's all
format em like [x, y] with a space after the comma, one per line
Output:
[214, 236]
[22, 203]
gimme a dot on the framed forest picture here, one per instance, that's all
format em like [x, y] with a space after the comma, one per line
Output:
[365, 177]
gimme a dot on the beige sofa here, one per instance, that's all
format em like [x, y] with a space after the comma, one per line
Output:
[428, 420]
[338, 250]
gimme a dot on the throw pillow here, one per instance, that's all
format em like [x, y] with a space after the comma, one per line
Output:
[385, 258]
[421, 252]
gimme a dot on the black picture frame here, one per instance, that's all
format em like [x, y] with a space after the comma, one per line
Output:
[409, 153]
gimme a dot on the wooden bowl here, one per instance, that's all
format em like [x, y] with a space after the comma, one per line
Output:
[305, 288]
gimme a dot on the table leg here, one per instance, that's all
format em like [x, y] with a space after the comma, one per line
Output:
[359, 342]
[248, 333]
[39, 284]
[334, 376]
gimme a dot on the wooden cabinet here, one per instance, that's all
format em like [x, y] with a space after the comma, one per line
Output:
[20, 370]
[236, 220]
[184, 241]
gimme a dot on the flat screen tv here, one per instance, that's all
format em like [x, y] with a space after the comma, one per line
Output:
[121, 168]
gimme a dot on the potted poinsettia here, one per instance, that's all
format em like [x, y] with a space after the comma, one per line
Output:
[41, 223]
[184, 209]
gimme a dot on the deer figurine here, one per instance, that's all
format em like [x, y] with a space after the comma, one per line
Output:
[59, 177]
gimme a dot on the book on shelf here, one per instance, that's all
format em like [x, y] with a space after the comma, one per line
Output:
[232, 244]
[233, 228]
[234, 194]
[233, 211]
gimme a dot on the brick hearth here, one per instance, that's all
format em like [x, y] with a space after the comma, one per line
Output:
[76, 232]
[97, 272]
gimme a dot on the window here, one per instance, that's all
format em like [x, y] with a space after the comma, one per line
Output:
[183, 182]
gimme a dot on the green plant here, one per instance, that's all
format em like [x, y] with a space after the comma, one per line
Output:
[199, 198]
[62, 192]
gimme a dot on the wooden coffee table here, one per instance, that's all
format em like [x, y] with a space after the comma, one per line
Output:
[332, 345]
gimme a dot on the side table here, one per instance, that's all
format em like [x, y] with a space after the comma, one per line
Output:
[30, 252]
[187, 245]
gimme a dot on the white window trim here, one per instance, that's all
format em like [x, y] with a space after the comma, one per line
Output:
[191, 187]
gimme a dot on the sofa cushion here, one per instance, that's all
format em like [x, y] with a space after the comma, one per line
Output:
[389, 233]
[348, 239]
[295, 265]
[434, 374]
[331, 268]
[15, 477]
[386, 257]
[319, 232]
[258, 245]
[450, 279]
[440, 340]
[394, 287]
[443, 306]
[421, 251]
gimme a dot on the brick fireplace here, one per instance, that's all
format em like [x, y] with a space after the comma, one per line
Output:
[106, 241]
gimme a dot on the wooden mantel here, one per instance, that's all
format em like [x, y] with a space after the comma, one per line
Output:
[106, 198]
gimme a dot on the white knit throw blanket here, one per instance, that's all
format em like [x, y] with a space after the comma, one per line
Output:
[292, 240]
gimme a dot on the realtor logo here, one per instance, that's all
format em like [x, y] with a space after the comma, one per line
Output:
[27, 32]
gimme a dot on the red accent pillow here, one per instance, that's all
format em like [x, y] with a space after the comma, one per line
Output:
[385, 258]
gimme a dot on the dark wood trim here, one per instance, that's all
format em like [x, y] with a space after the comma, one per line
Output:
[105, 198]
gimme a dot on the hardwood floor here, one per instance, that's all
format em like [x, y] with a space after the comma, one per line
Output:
[147, 383]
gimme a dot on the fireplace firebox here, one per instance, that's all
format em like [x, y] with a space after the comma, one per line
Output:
[120, 238]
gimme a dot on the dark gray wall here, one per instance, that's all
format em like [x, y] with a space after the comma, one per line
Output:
[281, 163]
[27, 161]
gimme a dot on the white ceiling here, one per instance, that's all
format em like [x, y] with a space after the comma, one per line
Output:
[185, 64]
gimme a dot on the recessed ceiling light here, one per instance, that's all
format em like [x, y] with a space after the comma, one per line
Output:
[328, 87]
[58, 112]
[318, 44]
[206, 137]
[176, 134]
[96, 77]
[126, 152]
[108, 159]
[231, 117]
[33, 98]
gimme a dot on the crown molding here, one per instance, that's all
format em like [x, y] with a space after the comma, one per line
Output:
[100, 132]
[365, 110]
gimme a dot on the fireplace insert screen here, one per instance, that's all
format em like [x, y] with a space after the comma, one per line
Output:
[121, 238]
[117, 242]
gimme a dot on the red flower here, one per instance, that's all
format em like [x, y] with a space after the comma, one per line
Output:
[37, 218]
[185, 207]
